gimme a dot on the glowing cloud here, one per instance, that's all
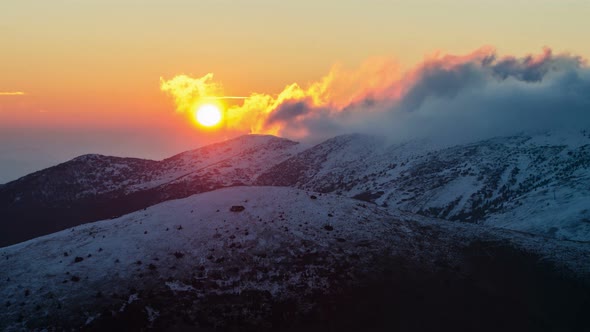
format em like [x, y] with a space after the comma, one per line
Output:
[188, 92]
[263, 113]
[15, 93]
[476, 93]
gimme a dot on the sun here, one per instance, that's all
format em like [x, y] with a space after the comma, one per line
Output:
[208, 115]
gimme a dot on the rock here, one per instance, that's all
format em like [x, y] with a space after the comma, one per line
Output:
[237, 208]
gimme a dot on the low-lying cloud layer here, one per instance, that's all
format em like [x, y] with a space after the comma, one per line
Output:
[460, 97]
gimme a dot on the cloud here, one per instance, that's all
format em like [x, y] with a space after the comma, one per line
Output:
[533, 68]
[14, 93]
[187, 91]
[461, 97]
[289, 111]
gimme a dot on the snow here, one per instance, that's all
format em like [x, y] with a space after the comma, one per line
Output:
[90, 319]
[504, 182]
[474, 182]
[284, 244]
[132, 298]
[152, 314]
[559, 212]
[198, 241]
[93, 174]
[462, 187]
[198, 227]
[178, 286]
[254, 153]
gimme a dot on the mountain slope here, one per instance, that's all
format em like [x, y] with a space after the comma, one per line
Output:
[262, 258]
[94, 187]
[533, 183]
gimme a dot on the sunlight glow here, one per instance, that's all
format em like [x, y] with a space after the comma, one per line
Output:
[208, 115]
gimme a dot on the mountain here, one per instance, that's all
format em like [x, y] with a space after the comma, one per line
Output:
[536, 183]
[272, 258]
[94, 187]
[532, 183]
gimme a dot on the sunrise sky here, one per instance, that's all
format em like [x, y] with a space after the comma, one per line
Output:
[98, 76]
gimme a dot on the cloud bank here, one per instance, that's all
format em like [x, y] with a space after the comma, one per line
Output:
[470, 96]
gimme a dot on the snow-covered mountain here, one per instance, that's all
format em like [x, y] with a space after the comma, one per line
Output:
[537, 183]
[94, 187]
[270, 258]
[533, 183]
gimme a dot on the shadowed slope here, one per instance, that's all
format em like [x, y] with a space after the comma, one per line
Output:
[287, 261]
[94, 187]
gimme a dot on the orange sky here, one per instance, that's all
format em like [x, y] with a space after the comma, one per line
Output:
[97, 64]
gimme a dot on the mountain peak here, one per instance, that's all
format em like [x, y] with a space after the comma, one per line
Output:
[93, 186]
[89, 157]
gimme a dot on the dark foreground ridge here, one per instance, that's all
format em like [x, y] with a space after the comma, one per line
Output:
[496, 288]
[193, 264]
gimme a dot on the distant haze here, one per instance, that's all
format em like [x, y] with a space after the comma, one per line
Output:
[23, 151]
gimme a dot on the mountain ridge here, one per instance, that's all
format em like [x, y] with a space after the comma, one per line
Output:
[536, 183]
[280, 261]
[497, 181]
[93, 187]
